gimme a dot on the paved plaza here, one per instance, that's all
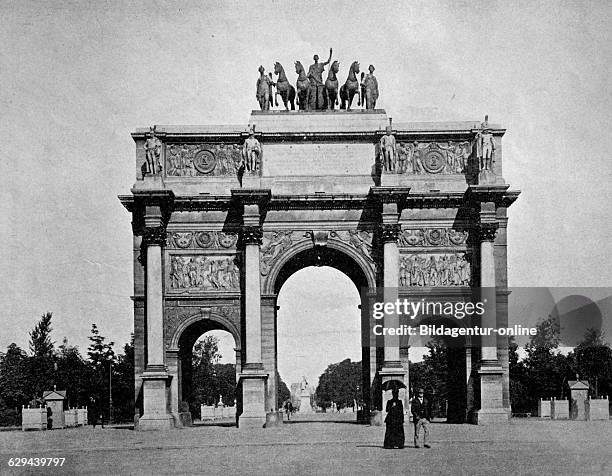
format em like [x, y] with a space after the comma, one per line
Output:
[319, 447]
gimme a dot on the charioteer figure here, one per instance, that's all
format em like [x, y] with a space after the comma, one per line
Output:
[317, 99]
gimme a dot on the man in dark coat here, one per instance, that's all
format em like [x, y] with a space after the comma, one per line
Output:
[419, 407]
[394, 435]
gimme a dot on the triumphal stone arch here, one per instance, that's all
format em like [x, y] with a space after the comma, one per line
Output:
[223, 215]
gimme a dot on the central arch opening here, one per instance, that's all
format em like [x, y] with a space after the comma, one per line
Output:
[319, 323]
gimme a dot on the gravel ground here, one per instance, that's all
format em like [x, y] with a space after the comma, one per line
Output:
[335, 446]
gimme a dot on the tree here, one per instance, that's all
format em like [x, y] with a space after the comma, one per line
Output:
[41, 371]
[339, 384]
[101, 358]
[519, 383]
[123, 384]
[99, 352]
[210, 379]
[14, 382]
[73, 374]
[40, 337]
[594, 362]
[547, 369]
[283, 393]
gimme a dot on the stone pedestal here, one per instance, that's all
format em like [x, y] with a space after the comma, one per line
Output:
[491, 405]
[155, 416]
[253, 399]
[305, 406]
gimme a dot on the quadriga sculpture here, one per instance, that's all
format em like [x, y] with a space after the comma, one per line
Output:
[350, 88]
[286, 90]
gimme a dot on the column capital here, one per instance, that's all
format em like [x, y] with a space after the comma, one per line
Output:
[251, 235]
[154, 236]
[389, 232]
[487, 231]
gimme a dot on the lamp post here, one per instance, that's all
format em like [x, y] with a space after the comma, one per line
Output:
[110, 392]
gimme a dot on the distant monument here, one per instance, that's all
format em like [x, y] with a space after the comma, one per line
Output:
[301, 393]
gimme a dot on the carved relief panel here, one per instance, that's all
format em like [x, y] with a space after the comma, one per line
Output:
[201, 239]
[435, 269]
[423, 158]
[210, 160]
[432, 237]
[193, 273]
[358, 239]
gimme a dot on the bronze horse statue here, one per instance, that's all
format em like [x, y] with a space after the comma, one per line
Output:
[331, 85]
[286, 90]
[302, 86]
[350, 88]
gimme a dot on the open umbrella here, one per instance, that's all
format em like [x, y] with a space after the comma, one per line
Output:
[393, 384]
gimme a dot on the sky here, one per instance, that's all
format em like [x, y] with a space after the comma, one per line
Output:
[78, 77]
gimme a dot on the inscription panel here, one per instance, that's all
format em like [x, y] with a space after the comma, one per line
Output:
[310, 159]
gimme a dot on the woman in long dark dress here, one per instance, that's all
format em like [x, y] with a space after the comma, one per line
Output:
[394, 435]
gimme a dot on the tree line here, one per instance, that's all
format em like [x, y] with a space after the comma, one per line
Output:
[88, 380]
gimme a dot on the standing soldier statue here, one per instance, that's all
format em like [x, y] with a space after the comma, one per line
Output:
[251, 152]
[152, 148]
[485, 146]
[317, 99]
[388, 150]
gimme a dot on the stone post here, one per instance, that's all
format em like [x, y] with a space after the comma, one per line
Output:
[490, 371]
[253, 377]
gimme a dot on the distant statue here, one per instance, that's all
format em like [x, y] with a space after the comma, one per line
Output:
[350, 88]
[302, 86]
[272, 86]
[370, 84]
[263, 90]
[152, 147]
[362, 86]
[388, 150]
[485, 146]
[317, 98]
[286, 90]
[331, 86]
[251, 153]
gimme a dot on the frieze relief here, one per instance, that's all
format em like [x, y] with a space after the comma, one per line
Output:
[432, 237]
[201, 239]
[422, 158]
[436, 269]
[198, 273]
[193, 160]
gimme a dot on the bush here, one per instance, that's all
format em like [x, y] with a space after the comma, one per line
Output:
[9, 416]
